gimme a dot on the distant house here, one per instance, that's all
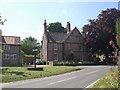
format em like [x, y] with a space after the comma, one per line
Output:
[58, 46]
[11, 46]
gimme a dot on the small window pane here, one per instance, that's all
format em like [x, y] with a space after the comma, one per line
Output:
[69, 46]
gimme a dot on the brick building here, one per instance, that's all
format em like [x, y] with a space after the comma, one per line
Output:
[11, 46]
[58, 46]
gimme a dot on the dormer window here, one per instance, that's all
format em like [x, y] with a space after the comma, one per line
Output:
[55, 46]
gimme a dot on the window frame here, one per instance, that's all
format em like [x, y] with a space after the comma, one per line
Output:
[6, 56]
[69, 46]
[55, 57]
[13, 56]
[6, 47]
[55, 46]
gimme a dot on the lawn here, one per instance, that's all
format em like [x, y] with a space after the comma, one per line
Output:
[10, 74]
[110, 80]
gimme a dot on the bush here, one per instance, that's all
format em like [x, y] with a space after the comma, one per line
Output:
[67, 63]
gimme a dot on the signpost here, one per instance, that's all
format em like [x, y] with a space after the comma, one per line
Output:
[35, 53]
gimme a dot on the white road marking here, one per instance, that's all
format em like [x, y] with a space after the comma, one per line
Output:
[92, 83]
[62, 80]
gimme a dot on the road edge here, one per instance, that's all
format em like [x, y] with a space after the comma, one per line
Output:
[93, 83]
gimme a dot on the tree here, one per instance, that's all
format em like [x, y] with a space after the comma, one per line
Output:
[118, 32]
[56, 27]
[1, 51]
[28, 44]
[1, 21]
[99, 32]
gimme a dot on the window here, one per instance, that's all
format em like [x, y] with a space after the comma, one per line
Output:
[6, 56]
[13, 56]
[81, 48]
[55, 57]
[55, 47]
[68, 46]
[10, 56]
[6, 47]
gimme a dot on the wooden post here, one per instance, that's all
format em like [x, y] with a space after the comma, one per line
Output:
[35, 60]
[35, 53]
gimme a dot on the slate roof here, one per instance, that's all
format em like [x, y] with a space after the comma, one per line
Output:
[58, 37]
[11, 40]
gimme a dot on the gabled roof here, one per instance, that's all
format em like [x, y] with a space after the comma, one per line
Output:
[58, 37]
[72, 32]
[11, 40]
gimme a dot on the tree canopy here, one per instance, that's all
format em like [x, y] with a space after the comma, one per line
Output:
[28, 44]
[101, 31]
[118, 32]
[56, 27]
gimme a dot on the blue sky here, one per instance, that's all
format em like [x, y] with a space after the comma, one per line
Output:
[26, 19]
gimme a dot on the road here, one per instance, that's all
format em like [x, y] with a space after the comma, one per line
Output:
[77, 79]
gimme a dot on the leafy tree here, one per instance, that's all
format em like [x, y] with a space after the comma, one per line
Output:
[99, 32]
[28, 44]
[56, 27]
[118, 32]
[1, 51]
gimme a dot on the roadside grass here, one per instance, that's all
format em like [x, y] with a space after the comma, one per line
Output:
[109, 80]
[10, 74]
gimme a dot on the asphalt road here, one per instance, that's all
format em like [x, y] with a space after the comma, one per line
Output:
[77, 79]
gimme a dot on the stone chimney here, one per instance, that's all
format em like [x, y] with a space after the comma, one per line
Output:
[68, 27]
[45, 26]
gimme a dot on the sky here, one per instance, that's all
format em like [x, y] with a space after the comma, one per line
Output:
[26, 19]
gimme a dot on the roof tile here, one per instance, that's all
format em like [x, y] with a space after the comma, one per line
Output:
[11, 40]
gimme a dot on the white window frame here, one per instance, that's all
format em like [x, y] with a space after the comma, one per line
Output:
[55, 46]
[13, 56]
[6, 56]
[6, 47]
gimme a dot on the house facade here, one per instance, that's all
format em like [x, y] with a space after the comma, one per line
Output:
[11, 46]
[58, 46]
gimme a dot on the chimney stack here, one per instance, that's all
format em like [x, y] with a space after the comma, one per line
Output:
[45, 26]
[68, 27]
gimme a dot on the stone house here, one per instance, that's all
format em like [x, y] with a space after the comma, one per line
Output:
[11, 46]
[58, 46]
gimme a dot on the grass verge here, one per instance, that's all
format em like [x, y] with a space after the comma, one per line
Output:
[10, 74]
[110, 80]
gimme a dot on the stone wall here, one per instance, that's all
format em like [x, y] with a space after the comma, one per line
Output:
[27, 60]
